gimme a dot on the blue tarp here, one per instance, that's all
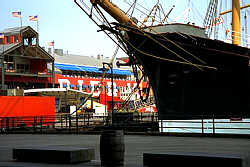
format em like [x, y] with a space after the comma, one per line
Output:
[90, 69]
[121, 72]
[67, 67]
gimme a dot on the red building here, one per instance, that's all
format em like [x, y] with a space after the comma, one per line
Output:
[85, 74]
[27, 66]
[23, 62]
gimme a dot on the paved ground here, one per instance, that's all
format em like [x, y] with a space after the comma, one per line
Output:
[135, 146]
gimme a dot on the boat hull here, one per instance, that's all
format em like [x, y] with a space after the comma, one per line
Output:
[216, 89]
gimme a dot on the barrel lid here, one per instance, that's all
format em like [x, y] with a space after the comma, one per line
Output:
[113, 132]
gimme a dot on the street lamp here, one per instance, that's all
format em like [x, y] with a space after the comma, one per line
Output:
[110, 65]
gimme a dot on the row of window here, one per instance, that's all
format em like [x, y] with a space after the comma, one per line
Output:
[20, 68]
[97, 77]
[96, 88]
[8, 39]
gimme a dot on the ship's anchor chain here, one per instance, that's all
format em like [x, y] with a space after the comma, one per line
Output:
[139, 80]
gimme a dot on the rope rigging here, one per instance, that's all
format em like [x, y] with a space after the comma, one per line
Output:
[155, 7]
[130, 49]
[187, 62]
[210, 16]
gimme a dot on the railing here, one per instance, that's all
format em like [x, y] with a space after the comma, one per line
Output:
[25, 73]
[232, 125]
[130, 122]
[79, 123]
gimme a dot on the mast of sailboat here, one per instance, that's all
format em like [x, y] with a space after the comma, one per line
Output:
[114, 11]
[229, 11]
[236, 22]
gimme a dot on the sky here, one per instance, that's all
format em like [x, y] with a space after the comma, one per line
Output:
[60, 21]
[63, 22]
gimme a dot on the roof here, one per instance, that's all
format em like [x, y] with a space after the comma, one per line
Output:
[87, 64]
[84, 60]
[58, 92]
[82, 68]
[26, 30]
[33, 52]
[53, 90]
[6, 47]
[13, 29]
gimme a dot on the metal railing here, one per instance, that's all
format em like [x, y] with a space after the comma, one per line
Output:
[228, 125]
[130, 122]
[78, 123]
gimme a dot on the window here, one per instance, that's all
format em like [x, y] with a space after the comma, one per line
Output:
[15, 38]
[26, 67]
[25, 42]
[31, 41]
[21, 68]
[8, 39]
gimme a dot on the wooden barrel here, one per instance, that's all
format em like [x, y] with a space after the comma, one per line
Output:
[112, 148]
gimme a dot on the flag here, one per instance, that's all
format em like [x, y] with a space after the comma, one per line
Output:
[16, 14]
[218, 20]
[1, 35]
[227, 31]
[51, 43]
[33, 18]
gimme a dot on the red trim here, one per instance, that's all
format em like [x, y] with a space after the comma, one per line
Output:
[12, 39]
[5, 40]
[19, 38]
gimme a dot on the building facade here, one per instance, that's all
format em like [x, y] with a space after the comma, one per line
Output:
[23, 61]
[26, 65]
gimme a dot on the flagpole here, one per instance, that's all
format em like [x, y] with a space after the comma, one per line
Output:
[53, 48]
[3, 69]
[21, 21]
[21, 30]
[37, 41]
[37, 28]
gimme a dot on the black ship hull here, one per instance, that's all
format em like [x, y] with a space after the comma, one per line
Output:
[215, 87]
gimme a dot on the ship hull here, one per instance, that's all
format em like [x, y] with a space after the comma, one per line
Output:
[216, 89]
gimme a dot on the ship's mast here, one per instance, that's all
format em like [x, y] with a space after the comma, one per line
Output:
[236, 22]
[114, 11]
[122, 18]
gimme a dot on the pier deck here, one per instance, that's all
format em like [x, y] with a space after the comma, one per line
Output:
[135, 146]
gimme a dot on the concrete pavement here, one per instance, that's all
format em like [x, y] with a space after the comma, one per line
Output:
[135, 146]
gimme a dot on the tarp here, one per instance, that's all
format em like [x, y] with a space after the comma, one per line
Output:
[15, 106]
[72, 67]
[16, 111]
[68, 67]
